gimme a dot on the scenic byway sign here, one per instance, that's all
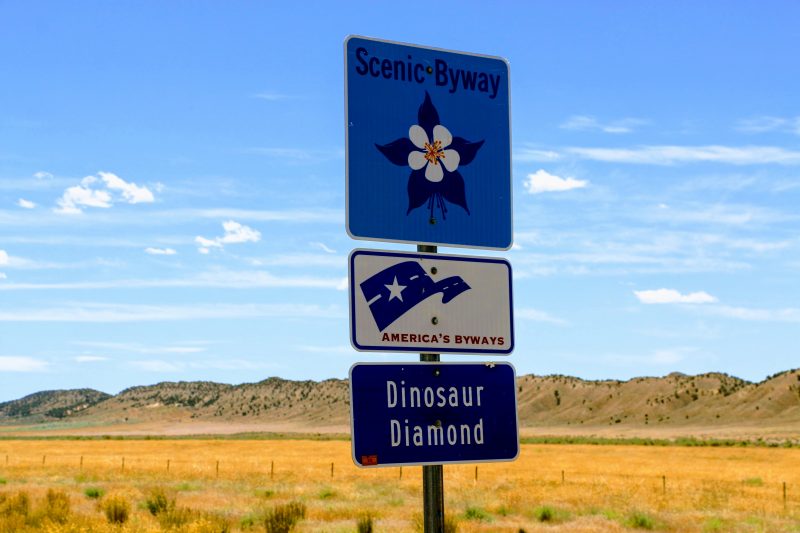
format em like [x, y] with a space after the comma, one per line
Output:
[428, 145]
[433, 413]
[416, 302]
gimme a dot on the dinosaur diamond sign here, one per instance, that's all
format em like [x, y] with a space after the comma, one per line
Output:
[428, 145]
[430, 303]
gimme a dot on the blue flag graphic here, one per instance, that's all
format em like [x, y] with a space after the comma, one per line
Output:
[392, 292]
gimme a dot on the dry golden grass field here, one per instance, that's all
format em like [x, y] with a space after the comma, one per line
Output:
[230, 485]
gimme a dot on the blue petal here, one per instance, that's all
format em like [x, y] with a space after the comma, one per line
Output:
[397, 151]
[466, 150]
[428, 117]
[452, 189]
[419, 189]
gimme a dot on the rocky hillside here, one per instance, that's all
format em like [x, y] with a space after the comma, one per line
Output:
[705, 400]
[50, 405]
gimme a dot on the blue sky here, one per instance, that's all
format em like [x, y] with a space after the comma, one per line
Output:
[172, 187]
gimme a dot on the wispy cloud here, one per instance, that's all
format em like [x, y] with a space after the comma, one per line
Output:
[160, 251]
[671, 155]
[766, 123]
[535, 315]
[25, 204]
[42, 175]
[4, 258]
[90, 359]
[22, 364]
[112, 313]
[223, 279]
[528, 154]
[542, 181]
[272, 96]
[322, 246]
[101, 191]
[235, 233]
[296, 155]
[589, 123]
[790, 315]
[671, 296]
[142, 349]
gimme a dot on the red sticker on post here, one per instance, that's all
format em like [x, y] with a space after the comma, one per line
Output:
[369, 460]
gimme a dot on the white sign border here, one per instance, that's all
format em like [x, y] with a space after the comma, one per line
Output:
[347, 149]
[426, 349]
[426, 463]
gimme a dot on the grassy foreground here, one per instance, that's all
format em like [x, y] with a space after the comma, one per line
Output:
[263, 485]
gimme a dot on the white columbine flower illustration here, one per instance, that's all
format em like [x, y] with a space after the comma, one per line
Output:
[432, 153]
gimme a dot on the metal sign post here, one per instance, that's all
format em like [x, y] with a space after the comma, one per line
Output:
[432, 475]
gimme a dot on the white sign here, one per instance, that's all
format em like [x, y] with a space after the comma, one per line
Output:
[415, 302]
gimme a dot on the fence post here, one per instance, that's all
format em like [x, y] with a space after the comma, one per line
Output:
[272, 470]
[167, 465]
[217, 469]
[476, 473]
[123, 465]
[401, 472]
[6, 460]
[43, 459]
[563, 477]
[784, 495]
[331, 469]
[81, 463]
[664, 484]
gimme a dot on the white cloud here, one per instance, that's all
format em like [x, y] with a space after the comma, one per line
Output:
[529, 155]
[768, 123]
[160, 251]
[225, 279]
[272, 97]
[42, 175]
[536, 315]
[21, 364]
[585, 123]
[90, 358]
[4, 260]
[25, 204]
[235, 233]
[542, 181]
[671, 296]
[131, 193]
[2, 275]
[322, 246]
[670, 155]
[101, 191]
[115, 313]
[790, 315]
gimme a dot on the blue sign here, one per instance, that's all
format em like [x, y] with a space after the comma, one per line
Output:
[437, 303]
[428, 145]
[433, 413]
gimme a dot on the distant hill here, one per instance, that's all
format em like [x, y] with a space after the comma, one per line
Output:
[640, 405]
[50, 405]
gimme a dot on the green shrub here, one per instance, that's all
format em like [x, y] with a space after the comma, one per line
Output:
[282, 518]
[3, 481]
[117, 509]
[640, 520]
[753, 482]
[544, 513]
[158, 502]
[94, 493]
[365, 525]
[478, 514]
[19, 505]
[327, 493]
[56, 506]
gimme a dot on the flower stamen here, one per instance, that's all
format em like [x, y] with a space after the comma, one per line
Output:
[434, 152]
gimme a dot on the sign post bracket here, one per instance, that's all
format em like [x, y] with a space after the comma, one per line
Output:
[432, 475]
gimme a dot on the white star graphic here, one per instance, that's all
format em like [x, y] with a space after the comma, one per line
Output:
[395, 290]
